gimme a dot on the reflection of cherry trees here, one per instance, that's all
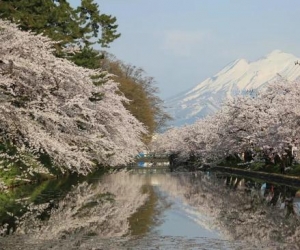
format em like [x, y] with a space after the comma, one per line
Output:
[239, 216]
[269, 119]
[93, 216]
[51, 107]
[89, 210]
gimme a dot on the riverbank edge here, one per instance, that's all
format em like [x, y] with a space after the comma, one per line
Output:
[269, 177]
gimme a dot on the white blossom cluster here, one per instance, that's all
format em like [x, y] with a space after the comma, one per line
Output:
[269, 120]
[50, 106]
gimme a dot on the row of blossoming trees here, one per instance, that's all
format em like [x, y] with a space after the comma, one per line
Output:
[267, 122]
[54, 112]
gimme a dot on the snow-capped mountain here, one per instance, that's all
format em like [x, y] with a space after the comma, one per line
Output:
[237, 77]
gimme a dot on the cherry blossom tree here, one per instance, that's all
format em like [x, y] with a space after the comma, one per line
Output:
[49, 106]
[268, 120]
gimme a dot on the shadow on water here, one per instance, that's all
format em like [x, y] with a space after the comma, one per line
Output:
[157, 211]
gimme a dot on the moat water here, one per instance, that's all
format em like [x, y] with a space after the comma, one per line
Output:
[150, 211]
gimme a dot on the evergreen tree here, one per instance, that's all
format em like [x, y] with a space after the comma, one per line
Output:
[91, 21]
[88, 58]
[58, 20]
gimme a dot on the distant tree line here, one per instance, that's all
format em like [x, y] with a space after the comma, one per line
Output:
[261, 127]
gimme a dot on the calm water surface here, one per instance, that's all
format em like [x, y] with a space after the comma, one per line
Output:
[156, 211]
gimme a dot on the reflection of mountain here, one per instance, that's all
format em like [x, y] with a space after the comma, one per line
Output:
[237, 77]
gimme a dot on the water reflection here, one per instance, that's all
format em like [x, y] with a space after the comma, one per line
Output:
[98, 209]
[181, 220]
[146, 216]
[257, 219]
[158, 211]
[277, 195]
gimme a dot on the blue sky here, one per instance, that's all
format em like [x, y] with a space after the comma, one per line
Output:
[182, 42]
